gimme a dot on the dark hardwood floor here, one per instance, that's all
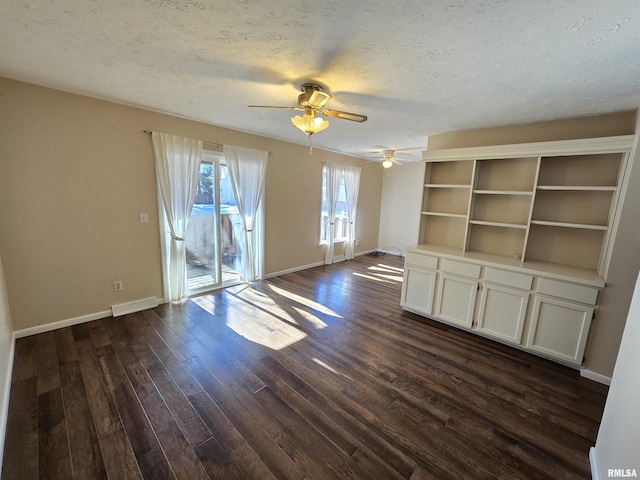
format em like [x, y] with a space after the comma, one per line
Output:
[312, 375]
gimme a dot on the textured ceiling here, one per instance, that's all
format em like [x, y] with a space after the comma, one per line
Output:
[414, 67]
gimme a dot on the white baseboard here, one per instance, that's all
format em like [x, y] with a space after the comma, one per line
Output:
[25, 332]
[339, 258]
[292, 270]
[593, 462]
[4, 401]
[366, 252]
[397, 253]
[596, 377]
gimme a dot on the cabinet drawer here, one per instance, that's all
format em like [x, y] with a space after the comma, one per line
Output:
[464, 269]
[422, 260]
[508, 279]
[577, 293]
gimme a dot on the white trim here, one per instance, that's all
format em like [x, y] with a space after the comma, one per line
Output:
[292, 270]
[366, 252]
[4, 402]
[593, 462]
[26, 332]
[339, 258]
[596, 377]
[47, 327]
[621, 143]
[619, 198]
[397, 253]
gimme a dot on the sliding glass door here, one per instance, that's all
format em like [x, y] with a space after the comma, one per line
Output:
[214, 235]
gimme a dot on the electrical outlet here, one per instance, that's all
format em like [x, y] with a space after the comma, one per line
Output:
[117, 286]
[357, 242]
[144, 217]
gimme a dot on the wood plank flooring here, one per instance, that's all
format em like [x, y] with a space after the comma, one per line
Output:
[312, 375]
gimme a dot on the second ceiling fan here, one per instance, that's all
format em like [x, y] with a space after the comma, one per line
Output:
[388, 158]
[312, 101]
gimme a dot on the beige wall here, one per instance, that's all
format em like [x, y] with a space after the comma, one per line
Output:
[75, 173]
[607, 329]
[401, 204]
[622, 123]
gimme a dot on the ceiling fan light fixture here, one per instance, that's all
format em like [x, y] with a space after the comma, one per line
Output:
[309, 123]
[387, 163]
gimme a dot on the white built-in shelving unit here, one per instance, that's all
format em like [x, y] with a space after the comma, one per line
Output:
[515, 240]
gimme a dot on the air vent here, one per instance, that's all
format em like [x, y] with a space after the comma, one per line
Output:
[135, 306]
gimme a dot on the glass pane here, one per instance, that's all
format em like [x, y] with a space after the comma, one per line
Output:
[202, 255]
[341, 223]
[231, 234]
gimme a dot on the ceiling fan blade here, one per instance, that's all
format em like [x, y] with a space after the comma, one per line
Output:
[354, 117]
[275, 106]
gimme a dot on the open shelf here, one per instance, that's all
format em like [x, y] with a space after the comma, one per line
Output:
[450, 173]
[503, 192]
[547, 203]
[506, 175]
[444, 231]
[501, 208]
[584, 226]
[498, 224]
[507, 241]
[590, 207]
[446, 200]
[581, 170]
[444, 185]
[577, 188]
[566, 246]
[442, 214]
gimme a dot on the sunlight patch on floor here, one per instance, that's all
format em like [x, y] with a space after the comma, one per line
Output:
[206, 302]
[241, 317]
[394, 278]
[383, 273]
[275, 340]
[331, 369]
[387, 268]
[312, 319]
[304, 301]
[287, 310]
[377, 278]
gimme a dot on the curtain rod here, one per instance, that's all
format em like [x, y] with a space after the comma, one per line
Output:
[220, 145]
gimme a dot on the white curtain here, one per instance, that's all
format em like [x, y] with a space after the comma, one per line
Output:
[351, 186]
[247, 170]
[334, 175]
[177, 168]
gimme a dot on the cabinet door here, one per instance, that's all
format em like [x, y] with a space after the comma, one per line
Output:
[502, 312]
[417, 289]
[559, 329]
[456, 299]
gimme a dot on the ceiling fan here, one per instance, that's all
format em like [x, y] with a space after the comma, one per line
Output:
[312, 101]
[388, 159]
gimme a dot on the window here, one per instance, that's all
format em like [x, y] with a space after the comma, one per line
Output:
[341, 221]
